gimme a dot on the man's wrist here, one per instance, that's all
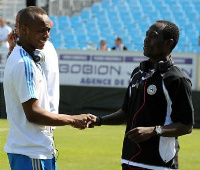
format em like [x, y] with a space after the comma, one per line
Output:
[100, 121]
[69, 119]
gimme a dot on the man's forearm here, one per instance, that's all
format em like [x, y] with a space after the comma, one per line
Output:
[42, 117]
[116, 118]
[36, 114]
[176, 129]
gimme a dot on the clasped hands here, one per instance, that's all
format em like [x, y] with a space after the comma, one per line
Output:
[83, 121]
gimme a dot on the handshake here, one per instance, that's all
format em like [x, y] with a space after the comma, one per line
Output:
[83, 121]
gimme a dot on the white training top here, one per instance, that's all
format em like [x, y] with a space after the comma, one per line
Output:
[50, 68]
[23, 80]
[4, 31]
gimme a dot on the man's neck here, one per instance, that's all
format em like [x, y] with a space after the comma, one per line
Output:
[154, 62]
[27, 49]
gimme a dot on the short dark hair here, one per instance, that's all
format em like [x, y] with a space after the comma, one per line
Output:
[19, 14]
[171, 31]
[28, 14]
[119, 38]
[103, 41]
[20, 11]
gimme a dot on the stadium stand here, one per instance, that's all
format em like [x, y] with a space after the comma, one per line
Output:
[130, 19]
[78, 23]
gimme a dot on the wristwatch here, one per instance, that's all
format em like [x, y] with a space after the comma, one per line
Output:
[158, 130]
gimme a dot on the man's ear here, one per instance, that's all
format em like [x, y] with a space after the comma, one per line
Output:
[170, 43]
[24, 30]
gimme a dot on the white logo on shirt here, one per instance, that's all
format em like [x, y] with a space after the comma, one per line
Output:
[151, 90]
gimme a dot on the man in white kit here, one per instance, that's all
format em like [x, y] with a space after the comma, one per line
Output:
[50, 66]
[30, 142]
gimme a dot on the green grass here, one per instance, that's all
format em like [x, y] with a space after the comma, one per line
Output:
[100, 148]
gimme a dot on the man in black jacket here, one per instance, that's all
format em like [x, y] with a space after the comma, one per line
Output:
[157, 107]
[119, 45]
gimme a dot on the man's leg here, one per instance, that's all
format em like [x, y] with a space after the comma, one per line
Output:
[19, 162]
[48, 164]
[22, 162]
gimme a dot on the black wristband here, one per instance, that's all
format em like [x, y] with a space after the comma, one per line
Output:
[100, 121]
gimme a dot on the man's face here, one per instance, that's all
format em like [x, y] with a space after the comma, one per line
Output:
[118, 43]
[17, 24]
[38, 32]
[2, 22]
[154, 43]
[103, 47]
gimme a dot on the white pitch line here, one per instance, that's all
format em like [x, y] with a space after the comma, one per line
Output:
[3, 129]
